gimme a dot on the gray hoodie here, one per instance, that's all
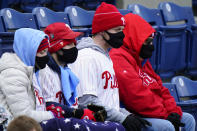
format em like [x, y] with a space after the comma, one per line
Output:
[112, 114]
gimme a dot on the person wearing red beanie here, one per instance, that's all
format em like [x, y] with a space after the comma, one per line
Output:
[94, 68]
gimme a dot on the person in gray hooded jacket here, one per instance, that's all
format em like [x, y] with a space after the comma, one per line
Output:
[30, 47]
[94, 68]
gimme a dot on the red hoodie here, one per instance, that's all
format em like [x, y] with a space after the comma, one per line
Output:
[141, 89]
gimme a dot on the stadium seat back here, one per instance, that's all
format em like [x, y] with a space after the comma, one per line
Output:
[79, 17]
[176, 14]
[186, 88]
[152, 16]
[6, 42]
[187, 94]
[14, 20]
[46, 16]
[2, 29]
[172, 88]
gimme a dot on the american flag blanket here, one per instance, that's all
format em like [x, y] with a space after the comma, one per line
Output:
[73, 124]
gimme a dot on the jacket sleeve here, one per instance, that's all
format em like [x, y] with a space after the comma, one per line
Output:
[141, 99]
[168, 100]
[14, 84]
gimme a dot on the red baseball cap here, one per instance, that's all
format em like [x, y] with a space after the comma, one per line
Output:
[60, 34]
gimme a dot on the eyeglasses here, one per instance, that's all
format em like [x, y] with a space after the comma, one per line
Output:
[149, 40]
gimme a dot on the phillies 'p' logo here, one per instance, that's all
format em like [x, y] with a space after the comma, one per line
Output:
[146, 78]
[107, 76]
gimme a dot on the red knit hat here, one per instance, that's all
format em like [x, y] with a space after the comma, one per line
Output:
[60, 35]
[43, 45]
[106, 17]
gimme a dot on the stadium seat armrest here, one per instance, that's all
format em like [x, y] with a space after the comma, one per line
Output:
[194, 27]
[187, 103]
[173, 27]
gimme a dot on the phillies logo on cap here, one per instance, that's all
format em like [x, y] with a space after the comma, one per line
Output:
[68, 26]
[123, 20]
[52, 36]
[62, 43]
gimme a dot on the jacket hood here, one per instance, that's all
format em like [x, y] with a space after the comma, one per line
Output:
[88, 42]
[136, 31]
[26, 43]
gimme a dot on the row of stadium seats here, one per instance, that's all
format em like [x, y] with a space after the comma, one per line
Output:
[56, 5]
[77, 18]
[175, 44]
[39, 19]
[184, 92]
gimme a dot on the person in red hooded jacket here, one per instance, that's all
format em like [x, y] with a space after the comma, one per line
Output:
[141, 89]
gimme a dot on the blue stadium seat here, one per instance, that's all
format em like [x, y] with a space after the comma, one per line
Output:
[6, 42]
[124, 11]
[184, 15]
[186, 88]
[14, 20]
[2, 28]
[170, 42]
[187, 93]
[6, 39]
[80, 19]
[46, 16]
[172, 88]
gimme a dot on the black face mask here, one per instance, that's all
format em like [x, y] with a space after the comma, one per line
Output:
[115, 39]
[69, 55]
[147, 49]
[41, 62]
